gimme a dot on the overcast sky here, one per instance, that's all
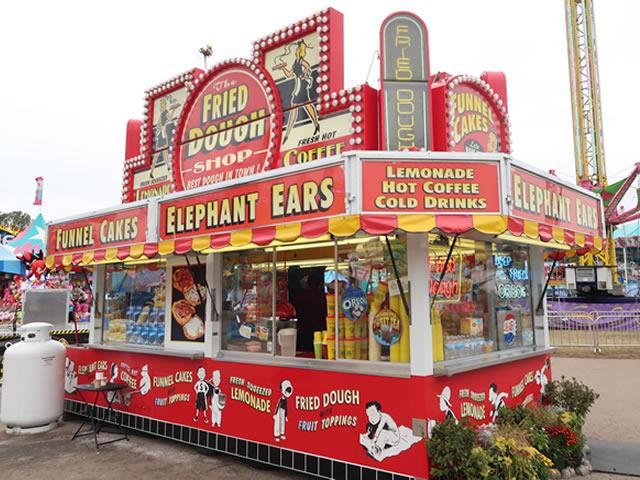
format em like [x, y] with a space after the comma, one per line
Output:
[73, 73]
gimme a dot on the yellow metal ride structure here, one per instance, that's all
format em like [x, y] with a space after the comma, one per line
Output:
[587, 127]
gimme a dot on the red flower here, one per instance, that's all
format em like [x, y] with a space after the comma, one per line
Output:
[570, 437]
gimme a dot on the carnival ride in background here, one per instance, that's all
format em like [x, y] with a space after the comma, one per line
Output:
[590, 165]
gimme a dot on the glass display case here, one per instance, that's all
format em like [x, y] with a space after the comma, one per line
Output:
[323, 300]
[134, 304]
[480, 297]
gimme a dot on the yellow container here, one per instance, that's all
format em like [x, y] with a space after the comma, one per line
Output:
[331, 349]
[358, 349]
[437, 337]
[349, 349]
[341, 330]
[331, 323]
[341, 348]
[364, 348]
[349, 329]
[331, 304]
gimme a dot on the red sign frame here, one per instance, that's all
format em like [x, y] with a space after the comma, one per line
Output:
[294, 197]
[328, 24]
[490, 89]
[408, 190]
[99, 231]
[139, 150]
[545, 201]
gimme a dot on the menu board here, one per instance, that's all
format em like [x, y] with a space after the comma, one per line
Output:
[188, 301]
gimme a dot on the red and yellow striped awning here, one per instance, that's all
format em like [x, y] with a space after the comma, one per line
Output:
[343, 226]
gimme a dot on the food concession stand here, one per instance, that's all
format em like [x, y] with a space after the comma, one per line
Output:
[328, 286]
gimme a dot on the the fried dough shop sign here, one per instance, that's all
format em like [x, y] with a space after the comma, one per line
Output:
[228, 129]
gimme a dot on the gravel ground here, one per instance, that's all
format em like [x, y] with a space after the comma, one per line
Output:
[52, 455]
[616, 414]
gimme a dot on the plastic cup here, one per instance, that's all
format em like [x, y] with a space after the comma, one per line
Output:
[317, 344]
[364, 348]
[331, 305]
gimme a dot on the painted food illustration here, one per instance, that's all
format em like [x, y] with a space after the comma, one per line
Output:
[182, 311]
[189, 299]
[182, 279]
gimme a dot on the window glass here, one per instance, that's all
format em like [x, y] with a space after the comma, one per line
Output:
[514, 314]
[134, 304]
[247, 296]
[480, 297]
[332, 300]
[372, 319]
[303, 272]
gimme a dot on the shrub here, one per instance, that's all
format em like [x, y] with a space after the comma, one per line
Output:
[525, 443]
[565, 446]
[571, 395]
[513, 457]
[550, 430]
[453, 452]
[531, 420]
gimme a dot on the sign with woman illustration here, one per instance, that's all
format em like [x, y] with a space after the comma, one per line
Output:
[294, 67]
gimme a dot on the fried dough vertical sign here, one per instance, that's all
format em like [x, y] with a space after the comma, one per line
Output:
[405, 99]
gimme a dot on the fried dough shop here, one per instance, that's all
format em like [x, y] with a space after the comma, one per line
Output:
[312, 276]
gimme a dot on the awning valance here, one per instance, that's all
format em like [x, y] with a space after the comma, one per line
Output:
[339, 227]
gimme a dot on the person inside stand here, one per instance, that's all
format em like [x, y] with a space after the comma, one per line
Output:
[311, 308]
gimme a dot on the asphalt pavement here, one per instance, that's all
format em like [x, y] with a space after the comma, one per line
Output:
[53, 455]
[613, 425]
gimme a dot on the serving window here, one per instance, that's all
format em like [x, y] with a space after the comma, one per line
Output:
[134, 304]
[324, 300]
[480, 294]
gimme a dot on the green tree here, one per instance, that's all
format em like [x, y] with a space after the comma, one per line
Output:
[15, 220]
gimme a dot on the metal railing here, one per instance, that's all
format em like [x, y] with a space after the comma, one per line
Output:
[594, 329]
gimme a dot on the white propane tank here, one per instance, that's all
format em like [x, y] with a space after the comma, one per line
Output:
[33, 384]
